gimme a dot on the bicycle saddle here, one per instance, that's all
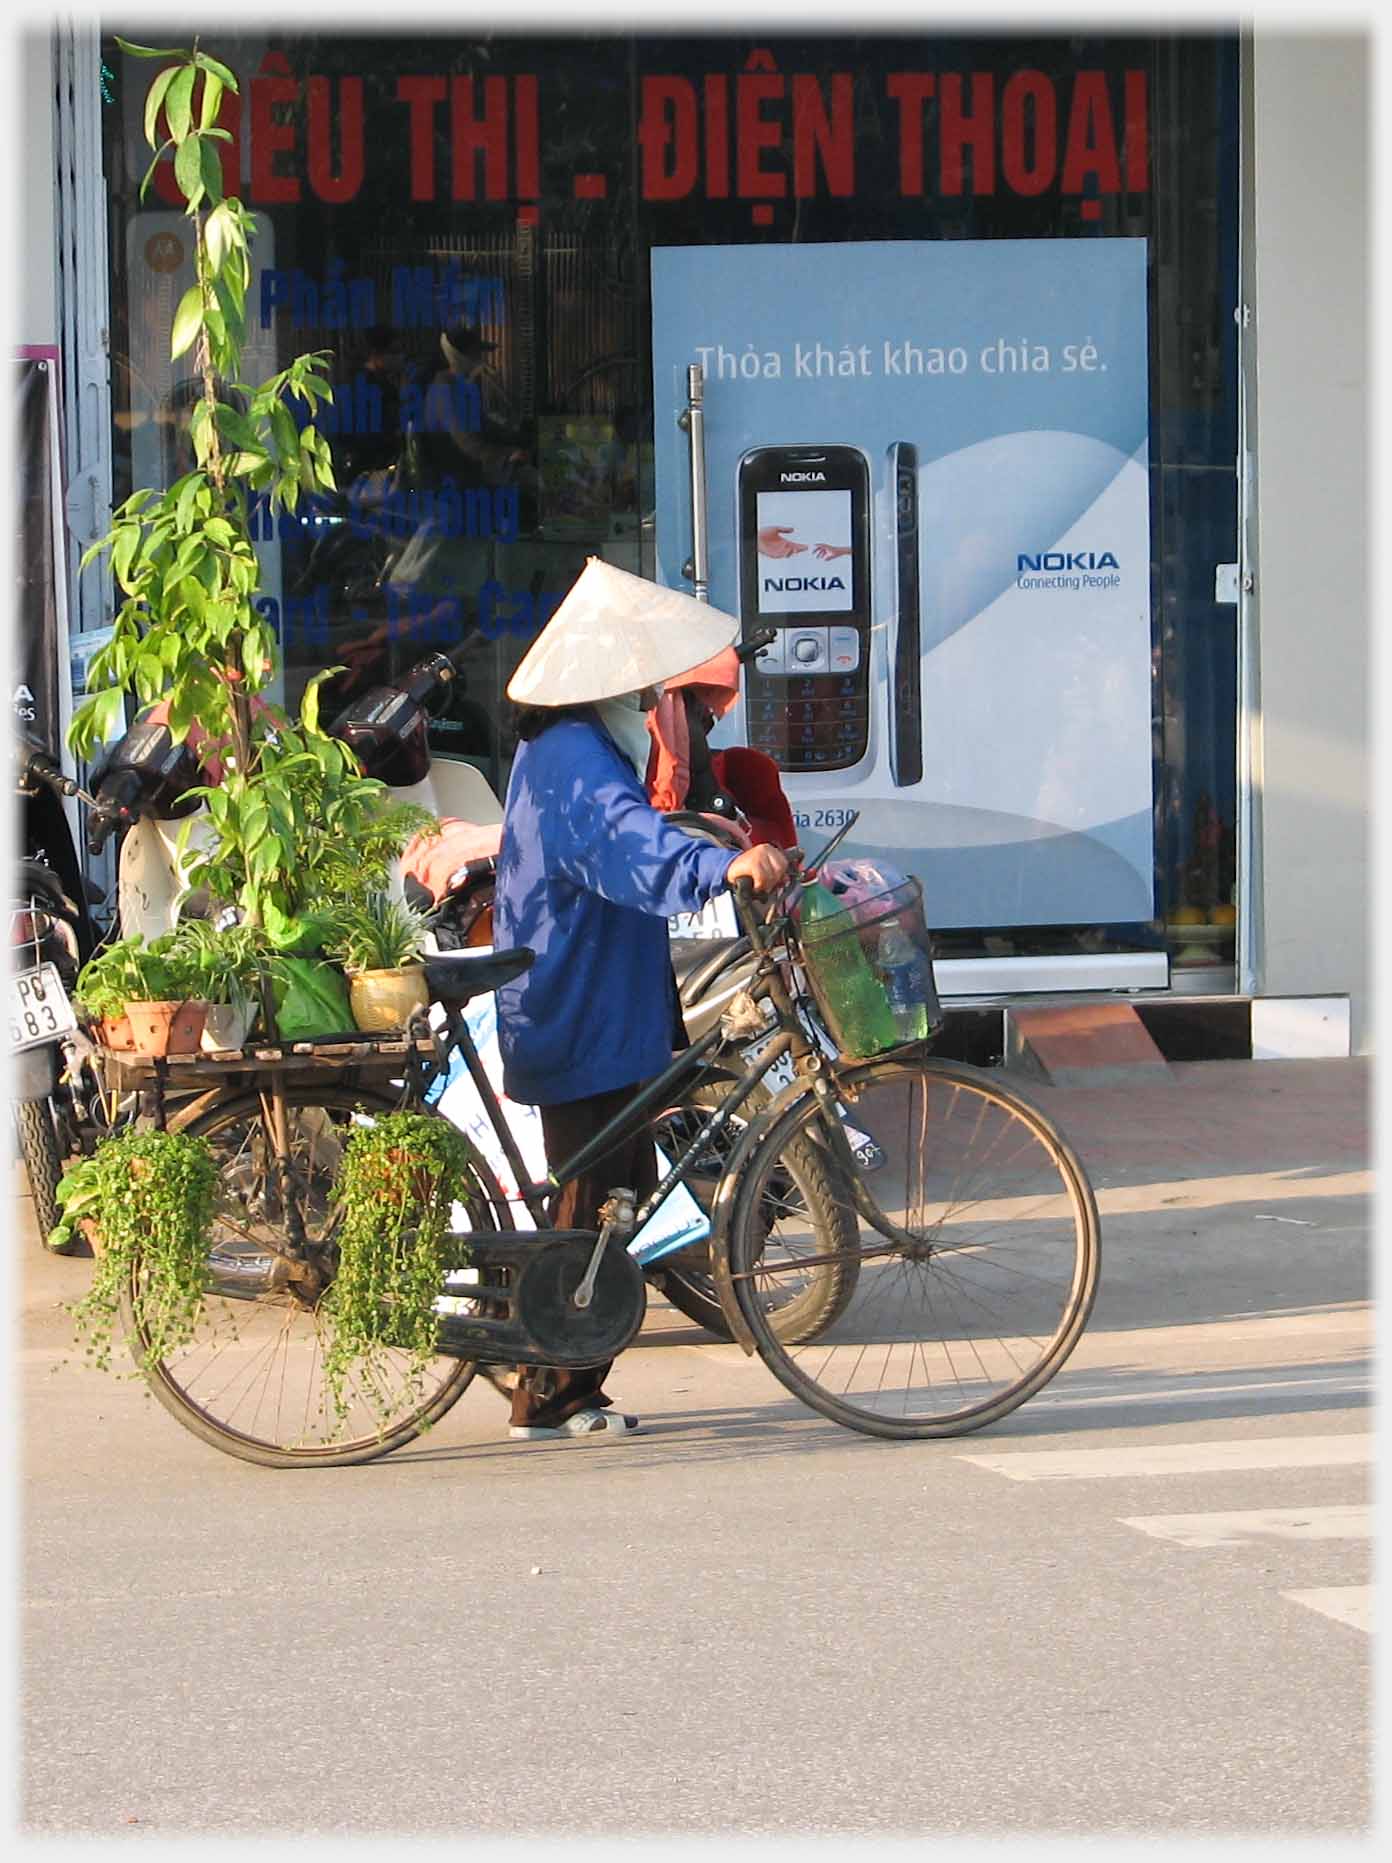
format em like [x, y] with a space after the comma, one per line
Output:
[459, 976]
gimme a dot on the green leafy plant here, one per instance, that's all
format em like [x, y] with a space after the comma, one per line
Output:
[132, 971]
[227, 962]
[398, 1182]
[293, 817]
[151, 1196]
[307, 828]
[377, 933]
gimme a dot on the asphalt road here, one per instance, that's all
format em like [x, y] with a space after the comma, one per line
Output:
[1140, 1606]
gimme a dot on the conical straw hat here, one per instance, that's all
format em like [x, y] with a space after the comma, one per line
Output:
[617, 633]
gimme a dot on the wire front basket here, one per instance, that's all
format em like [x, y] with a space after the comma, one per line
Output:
[870, 968]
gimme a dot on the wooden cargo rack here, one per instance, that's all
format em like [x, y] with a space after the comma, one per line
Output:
[356, 1052]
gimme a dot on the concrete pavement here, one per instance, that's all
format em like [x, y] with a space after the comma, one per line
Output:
[779, 1627]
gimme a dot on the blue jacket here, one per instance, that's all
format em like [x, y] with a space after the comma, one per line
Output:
[588, 875]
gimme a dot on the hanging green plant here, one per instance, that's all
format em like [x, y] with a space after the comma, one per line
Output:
[150, 1196]
[398, 1182]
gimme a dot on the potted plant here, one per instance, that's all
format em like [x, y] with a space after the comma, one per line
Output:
[228, 962]
[293, 820]
[101, 992]
[167, 1008]
[397, 1185]
[155, 988]
[378, 940]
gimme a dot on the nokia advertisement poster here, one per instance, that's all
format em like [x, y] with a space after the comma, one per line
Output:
[926, 468]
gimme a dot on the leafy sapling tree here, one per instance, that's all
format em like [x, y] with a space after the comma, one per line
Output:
[292, 814]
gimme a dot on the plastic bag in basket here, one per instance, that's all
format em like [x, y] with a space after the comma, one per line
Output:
[859, 885]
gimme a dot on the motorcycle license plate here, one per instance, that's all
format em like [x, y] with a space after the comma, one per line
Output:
[39, 1008]
[716, 919]
[782, 1073]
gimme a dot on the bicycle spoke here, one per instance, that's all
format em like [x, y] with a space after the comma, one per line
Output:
[796, 1279]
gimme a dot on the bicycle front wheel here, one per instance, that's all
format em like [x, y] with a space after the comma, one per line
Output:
[251, 1381]
[985, 1283]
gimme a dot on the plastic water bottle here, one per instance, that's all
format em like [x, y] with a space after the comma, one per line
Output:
[902, 965]
[856, 998]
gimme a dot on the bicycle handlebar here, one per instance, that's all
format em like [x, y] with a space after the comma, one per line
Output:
[758, 925]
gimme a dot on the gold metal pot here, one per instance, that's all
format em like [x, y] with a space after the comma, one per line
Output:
[384, 1000]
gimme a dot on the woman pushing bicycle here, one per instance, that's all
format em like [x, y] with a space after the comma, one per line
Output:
[588, 875]
[958, 1269]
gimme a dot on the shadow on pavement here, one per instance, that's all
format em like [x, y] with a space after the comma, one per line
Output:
[1094, 1399]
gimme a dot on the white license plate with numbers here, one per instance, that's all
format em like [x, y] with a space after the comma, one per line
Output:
[39, 1007]
[716, 919]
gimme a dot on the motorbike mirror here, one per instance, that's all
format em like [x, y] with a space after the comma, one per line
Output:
[746, 649]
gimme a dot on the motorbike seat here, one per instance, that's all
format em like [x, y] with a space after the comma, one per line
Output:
[689, 953]
[459, 976]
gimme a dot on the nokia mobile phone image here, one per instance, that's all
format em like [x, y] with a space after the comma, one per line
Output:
[804, 540]
[905, 698]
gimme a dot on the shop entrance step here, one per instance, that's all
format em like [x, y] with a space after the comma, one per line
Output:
[1084, 1045]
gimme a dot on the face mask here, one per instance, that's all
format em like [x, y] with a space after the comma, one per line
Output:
[626, 721]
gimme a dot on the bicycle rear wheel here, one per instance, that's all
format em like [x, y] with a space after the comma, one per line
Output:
[988, 1285]
[251, 1381]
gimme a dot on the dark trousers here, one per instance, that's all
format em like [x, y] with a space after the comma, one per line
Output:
[544, 1396]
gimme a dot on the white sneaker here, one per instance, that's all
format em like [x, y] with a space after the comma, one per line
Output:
[584, 1426]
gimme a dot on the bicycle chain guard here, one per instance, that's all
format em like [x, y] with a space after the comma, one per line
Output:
[526, 1300]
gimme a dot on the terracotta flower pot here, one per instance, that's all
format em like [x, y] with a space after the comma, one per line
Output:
[167, 1028]
[384, 1000]
[115, 1032]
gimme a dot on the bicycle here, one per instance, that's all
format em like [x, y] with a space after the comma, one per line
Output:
[974, 1262]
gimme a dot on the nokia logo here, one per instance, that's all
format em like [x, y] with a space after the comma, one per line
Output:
[796, 583]
[802, 478]
[1067, 559]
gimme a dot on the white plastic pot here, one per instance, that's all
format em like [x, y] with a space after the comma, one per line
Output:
[226, 1026]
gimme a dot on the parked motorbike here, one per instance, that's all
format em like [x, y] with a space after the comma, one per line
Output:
[139, 788]
[51, 935]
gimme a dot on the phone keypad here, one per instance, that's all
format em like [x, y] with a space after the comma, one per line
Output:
[808, 721]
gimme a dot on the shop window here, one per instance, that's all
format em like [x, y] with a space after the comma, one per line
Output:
[468, 226]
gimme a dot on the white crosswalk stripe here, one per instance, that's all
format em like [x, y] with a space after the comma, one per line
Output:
[1177, 1458]
[1256, 1523]
[1250, 1526]
[1346, 1604]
